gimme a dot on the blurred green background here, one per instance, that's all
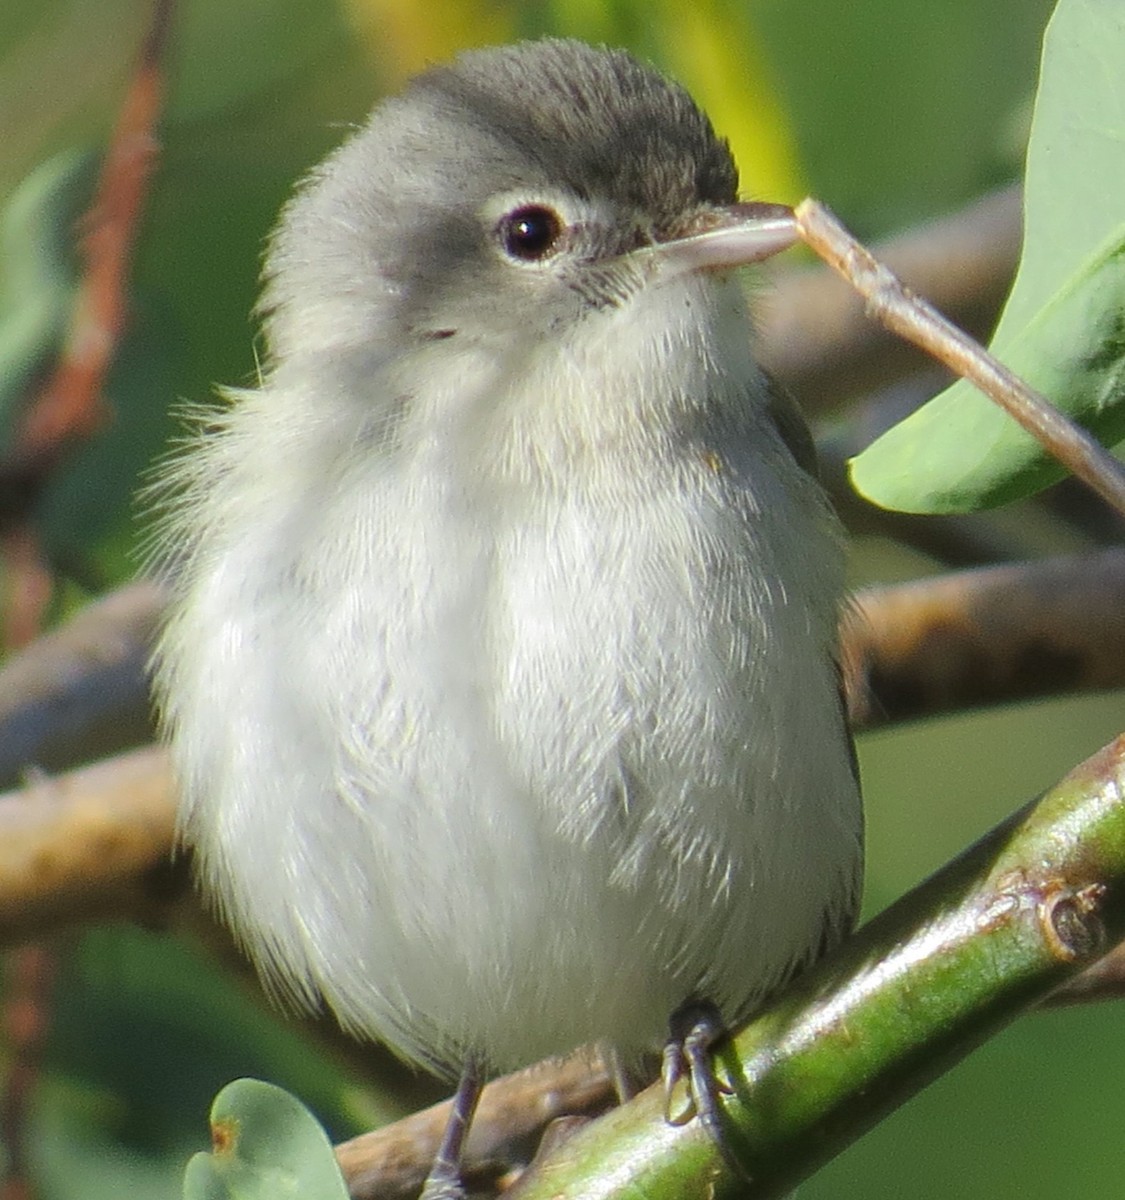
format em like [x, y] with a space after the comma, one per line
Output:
[891, 112]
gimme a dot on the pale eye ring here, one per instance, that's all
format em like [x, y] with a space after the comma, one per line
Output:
[531, 232]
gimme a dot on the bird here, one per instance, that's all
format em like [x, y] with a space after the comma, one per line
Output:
[500, 675]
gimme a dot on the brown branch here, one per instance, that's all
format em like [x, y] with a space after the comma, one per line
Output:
[989, 636]
[86, 846]
[392, 1162]
[79, 693]
[935, 645]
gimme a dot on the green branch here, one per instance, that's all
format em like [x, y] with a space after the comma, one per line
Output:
[1035, 901]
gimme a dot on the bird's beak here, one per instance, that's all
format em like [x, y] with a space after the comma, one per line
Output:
[721, 239]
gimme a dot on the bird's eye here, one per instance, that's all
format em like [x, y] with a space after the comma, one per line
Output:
[531, 233]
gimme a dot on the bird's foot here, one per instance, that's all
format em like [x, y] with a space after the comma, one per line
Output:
[691, 1088]
[443, 1185]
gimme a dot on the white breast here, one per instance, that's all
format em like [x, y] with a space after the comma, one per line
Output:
[491, 763]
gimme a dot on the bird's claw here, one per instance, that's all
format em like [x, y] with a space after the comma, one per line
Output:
[691, 1087]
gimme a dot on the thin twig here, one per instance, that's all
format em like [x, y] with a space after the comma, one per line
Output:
[890, 302]
[29, 973]
[70, 406]
[812, 331]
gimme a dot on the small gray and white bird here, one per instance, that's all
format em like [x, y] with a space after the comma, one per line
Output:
[500, 677]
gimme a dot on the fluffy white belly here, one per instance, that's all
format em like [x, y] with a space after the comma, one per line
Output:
[567, 782]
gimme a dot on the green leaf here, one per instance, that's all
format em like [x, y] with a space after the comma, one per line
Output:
[1063, 328]
[267, 1146]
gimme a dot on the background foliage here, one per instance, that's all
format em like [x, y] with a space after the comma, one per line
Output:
[890, 112]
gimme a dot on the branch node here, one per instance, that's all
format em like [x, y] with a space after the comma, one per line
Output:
[1071, 922]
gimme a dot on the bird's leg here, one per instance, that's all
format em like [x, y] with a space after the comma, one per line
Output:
[624, 1082]
[693, 1029]
[444, 1180]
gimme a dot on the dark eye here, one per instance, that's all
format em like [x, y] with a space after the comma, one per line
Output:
[531, 233]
